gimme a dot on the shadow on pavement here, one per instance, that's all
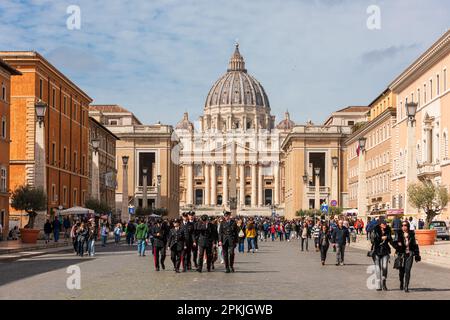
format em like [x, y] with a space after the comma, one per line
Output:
[28, 267]
[427, 289]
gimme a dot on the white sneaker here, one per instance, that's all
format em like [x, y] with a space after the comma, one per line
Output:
[221, 262]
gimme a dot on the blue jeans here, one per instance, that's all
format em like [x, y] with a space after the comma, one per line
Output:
[141, 244]
[273, 236]
[117, 238]
[56, 235]
[251, 244]
[288, 235]
[130, 238]
[104, 238]
[91, 247]
[241, 245]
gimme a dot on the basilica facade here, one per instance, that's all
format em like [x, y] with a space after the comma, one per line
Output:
[231, 158]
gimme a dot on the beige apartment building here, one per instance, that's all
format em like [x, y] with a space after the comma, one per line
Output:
[371, 165]
[426, 82]
[147, 147]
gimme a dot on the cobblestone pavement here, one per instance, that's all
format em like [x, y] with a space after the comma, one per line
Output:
[278, 271]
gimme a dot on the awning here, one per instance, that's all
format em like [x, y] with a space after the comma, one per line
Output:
[76, 211]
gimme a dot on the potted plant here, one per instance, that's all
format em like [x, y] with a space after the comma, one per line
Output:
[31, 200]
[432, 199]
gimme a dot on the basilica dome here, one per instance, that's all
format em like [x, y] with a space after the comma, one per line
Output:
[237, 87]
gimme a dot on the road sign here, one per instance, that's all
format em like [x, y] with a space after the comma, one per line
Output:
[333, 203]
[324, 208]
[131, 210]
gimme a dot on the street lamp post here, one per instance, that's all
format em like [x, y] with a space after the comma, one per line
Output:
[144, 188]
[334, 180]
[317, 193]
[158, 198]
[305, 205]
[40, 170]
[125, 213]
[362, 186]
[411, 168]
[95, 169]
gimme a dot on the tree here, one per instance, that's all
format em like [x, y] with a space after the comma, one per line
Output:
[30, 200]
[428, 197]
[98, 206]
[143, 212]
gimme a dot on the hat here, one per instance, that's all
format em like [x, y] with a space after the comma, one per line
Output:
[191, 213]
[184, 214]
[226, 213]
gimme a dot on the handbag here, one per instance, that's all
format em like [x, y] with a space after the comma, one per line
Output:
[399, 262]
[370, 253]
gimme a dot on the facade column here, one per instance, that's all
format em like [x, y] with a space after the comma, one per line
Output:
[277, 184]
[334, 185]
[206, 200]
[241, 184]
[225, 184]
[125, 216]
[40, 169]
[362, 185]
[254, 184]
[260, 187]
[411, 168]
[213, 185]
[95, 176]
[190, 184]
[317, 193]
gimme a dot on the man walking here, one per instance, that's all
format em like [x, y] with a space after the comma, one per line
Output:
[207, 235]
[159, 236]
[176, 245]
[131, 230]
[340, 237]
[141, 237]
[228, 237]
[56, 226]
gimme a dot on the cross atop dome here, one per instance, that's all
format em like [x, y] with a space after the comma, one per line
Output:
[237, 62]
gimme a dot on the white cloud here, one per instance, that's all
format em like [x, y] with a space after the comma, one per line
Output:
[159, 58]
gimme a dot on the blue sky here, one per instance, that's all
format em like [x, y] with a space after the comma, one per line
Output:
[159, 58]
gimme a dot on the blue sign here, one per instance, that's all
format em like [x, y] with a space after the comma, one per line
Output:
[324, 208]
[131, 210]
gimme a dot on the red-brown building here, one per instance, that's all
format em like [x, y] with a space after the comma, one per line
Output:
[6, 71]
[65, 136]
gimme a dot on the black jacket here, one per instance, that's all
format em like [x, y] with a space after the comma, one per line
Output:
[159, 236]
[82, 235]
[324, 236]
[176, 239]
[340, 236]
[228, 233]
[382, 247]
[48, 227]
[413, 246]
[189, 232]
[207, 234]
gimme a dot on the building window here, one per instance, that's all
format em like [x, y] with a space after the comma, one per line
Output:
[53, 153]
[83, 164]
[75, 194]
[65, 105]
[64, 195]
[418, 97]
[424, 94]
[431, 89]
[198, 170]
[3, 180]
[75, 160]
[65, 158]
[75, 112]
[3, 92]
[53, 97]
[438, 85]
[113, 122]
[351, 123]
[41, 88]
[54, 197]
[445, 80]
[248, 200]
[3, 128]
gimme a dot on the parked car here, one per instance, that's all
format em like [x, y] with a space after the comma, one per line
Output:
[441, 228]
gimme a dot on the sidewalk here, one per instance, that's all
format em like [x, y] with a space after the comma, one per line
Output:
[437, 254]
[15, 249]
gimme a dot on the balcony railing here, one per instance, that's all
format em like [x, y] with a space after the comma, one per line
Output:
[321, 189]
[428, 169]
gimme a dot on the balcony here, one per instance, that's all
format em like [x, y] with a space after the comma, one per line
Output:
[321, 190]
[150, 189]
[428, 170]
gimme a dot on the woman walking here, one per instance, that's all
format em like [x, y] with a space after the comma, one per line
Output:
[315, 235]
[382, 251]
[92, 236]
[407, 249]
[241, 236]
[324, 238]
[47, 231]
[305, 234]
[250, 234]
[117, 233]
[82, 234]
[272, 231]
